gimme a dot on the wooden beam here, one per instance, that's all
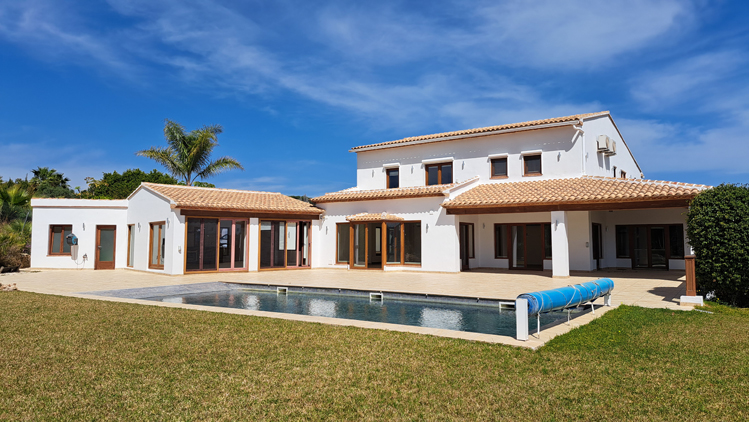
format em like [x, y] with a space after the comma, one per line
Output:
[590, 206]
[247, 214]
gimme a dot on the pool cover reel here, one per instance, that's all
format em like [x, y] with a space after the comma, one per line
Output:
[567, 297]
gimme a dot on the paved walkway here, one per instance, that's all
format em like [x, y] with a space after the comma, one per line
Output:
[655, 289]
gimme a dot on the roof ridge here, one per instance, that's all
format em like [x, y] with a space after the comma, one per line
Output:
[647, 181]
[211, 189]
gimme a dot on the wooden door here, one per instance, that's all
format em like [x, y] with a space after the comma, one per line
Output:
[105, 247]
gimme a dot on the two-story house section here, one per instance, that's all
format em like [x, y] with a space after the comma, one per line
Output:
[557, 194]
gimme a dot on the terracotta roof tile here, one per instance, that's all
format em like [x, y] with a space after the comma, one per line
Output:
[439, 136]
[586, 189]
[353, 194]
[229, 199]
[374, 217]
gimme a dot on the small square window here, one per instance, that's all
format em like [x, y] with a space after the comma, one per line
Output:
[623, 174]
[499, 167]
[57, 243]
[439, 174]
[532, 165]
[393, 178]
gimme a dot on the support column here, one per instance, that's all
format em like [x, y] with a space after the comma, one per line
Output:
[560, 249]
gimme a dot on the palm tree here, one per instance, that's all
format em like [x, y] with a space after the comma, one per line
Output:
[50, 177]
[14, 203]
[188, 155]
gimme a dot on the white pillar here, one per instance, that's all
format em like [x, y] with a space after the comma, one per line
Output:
[521, 319]
[560, 249]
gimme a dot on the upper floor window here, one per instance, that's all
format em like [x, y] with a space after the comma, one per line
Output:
[57, 243]
[393, 178]
[499, 168]
[532, 165]
[439, 174]
[623, 174]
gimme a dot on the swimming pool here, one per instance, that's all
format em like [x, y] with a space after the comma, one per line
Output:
[446, 314]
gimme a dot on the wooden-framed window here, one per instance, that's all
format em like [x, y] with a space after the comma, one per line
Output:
[157, 243]
[439, 174]
[532, 165]
[57, 243]
[342, 242]
[393, 178]
[623, 174]
[499, 168]
[130, 245]
[627, 245]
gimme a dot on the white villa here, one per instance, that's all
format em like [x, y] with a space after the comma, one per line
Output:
[557, 194]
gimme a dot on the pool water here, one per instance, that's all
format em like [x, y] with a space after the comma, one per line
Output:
[450, 316]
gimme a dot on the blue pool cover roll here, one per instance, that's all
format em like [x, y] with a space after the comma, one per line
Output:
[567, 297]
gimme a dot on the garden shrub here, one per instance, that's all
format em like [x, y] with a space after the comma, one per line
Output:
[718, 230]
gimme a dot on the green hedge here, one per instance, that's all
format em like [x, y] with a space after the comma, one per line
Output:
[718, 230]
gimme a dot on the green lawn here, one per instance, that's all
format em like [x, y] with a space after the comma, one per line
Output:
[67, 358]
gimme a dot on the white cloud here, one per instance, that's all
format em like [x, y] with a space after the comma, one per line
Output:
[670, 147]
[706, 82]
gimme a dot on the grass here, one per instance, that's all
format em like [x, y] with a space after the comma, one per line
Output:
[67, 358]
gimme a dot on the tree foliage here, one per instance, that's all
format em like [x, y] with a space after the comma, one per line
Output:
[718, 230]
[49, 183]
[119, 186]
[187, 156]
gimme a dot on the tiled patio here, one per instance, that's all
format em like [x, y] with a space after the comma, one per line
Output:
[655, 289]
[643, 288]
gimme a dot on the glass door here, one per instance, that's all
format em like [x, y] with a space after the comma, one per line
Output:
[202, 248]
[104, 259]
[640, 244]
[359, 245]
[517, 242]
[658, 247]
[231, 246]
[284, 244]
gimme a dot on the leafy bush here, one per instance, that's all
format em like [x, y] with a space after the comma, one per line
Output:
[718, 230]
[15, 239]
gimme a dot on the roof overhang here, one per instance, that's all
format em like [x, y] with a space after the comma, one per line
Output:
[234, 213]
[570, 206]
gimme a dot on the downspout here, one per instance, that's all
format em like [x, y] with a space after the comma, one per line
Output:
[582, 139]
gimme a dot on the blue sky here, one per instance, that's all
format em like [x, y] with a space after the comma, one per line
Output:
[85, 84]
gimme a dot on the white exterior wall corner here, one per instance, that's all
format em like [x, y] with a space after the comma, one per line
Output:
[83, 216]
[598, 164]
[561, 157]
[144, 208]
[439, 231]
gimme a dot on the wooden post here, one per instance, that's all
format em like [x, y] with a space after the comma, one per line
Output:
[691, 278]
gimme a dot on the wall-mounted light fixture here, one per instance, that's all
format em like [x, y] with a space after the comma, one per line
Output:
[556, 224]
[84, 226]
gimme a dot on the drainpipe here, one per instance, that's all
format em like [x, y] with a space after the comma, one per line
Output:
[582, 139]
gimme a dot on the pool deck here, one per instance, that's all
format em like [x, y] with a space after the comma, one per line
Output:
[653, 289]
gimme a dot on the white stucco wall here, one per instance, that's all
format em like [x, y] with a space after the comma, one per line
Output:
[598, 164]
[84, 215]
[439, 231]
[562, 156]
[144, 208]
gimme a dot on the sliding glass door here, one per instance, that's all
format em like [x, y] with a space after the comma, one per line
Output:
[284, 244]
[374, 245]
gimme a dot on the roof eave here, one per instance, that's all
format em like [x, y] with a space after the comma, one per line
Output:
[470, 135]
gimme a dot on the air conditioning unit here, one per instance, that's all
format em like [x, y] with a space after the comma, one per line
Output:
[612, 148]
[604, 143]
